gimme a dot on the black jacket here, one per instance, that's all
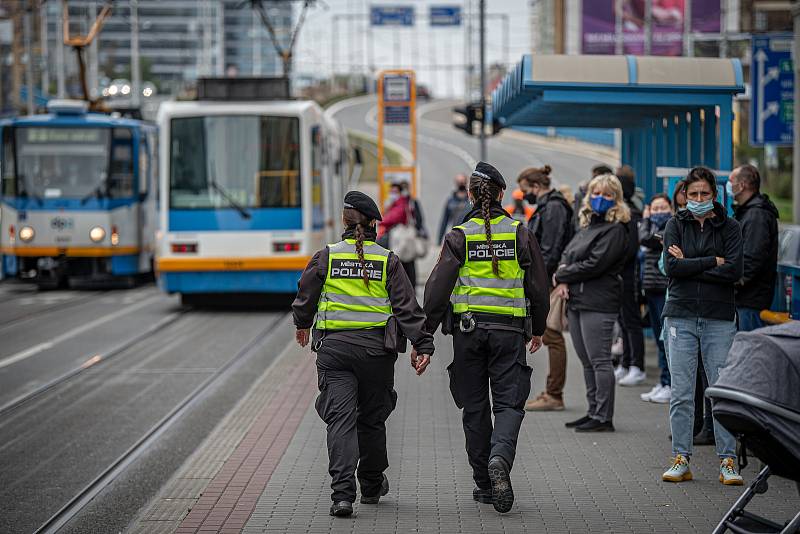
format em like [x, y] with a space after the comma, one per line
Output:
[652, 280]
[454, 209]
[552, 226]
[402, 296]
[592, 266]
[698, 287]
[633, 235]
[444, 276]
[759, 220]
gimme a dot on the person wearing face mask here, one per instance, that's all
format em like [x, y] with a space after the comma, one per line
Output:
[399, 209]
[759, 219]
[552, 225]
[455, 207]
[654, 283]
[703, 262]
[589, 276]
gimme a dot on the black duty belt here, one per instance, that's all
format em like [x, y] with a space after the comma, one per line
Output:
[490, 319]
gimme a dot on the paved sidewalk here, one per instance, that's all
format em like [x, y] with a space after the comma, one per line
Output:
[564, 482]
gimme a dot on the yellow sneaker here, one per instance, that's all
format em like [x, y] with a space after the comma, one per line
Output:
[728, 474]
[679, 472]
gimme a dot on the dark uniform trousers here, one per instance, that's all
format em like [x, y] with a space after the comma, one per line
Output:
[356, 397]
[485, 359]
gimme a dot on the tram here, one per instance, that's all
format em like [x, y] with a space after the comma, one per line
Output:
[78, 196]
[251, 186]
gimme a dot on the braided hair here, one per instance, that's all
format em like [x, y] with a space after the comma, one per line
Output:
[485, 192]
[355, 218]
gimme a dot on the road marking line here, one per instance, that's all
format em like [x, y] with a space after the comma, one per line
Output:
[36, 349]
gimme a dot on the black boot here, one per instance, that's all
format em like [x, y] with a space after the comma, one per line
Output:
[481, 495]
[375, 498]
[342, 509]
[500, 475]
[578, 422]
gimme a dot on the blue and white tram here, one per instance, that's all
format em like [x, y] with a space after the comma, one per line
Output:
[250, 190]
[78, 196]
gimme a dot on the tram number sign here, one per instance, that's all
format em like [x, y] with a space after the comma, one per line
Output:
[351, 269]
[233, 265]
[503, 250]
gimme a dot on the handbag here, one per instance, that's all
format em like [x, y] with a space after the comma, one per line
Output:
[403, 242]
[557, 316]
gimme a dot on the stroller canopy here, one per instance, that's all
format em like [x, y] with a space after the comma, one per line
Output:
[766, 363]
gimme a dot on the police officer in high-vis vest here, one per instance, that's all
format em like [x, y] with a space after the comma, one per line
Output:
[362, 306]
[490, 290]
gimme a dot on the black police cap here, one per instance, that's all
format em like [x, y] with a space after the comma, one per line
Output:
[362, 204]
[488, 172]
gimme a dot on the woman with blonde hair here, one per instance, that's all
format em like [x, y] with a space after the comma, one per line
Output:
[589, 277]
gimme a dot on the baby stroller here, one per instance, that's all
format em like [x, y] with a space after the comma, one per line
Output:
[757, 398]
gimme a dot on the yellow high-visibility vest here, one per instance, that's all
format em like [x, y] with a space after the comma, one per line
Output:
[346, 303]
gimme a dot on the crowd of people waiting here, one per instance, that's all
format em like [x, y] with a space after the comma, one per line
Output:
[700, 274]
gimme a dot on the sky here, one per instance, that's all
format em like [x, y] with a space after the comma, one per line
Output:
[427, 50]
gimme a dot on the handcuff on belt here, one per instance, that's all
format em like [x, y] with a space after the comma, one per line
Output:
[467, 322]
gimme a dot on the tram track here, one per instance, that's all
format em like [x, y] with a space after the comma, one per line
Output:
[59, 306]
[81, 499]
[89, 363]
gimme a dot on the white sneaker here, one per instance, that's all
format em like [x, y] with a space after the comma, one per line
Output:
[634, 377]
[647, 396]
[617, 348]
[619, 372]
[662, 396]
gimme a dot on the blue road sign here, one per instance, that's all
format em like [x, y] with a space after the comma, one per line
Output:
[397, 114]
[772, 90]
[391, 15]
[445, 15]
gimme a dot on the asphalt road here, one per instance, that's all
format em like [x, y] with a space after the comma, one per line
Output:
[444, 151]
[56, 442]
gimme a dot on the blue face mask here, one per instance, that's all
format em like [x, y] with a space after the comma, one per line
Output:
[600, 204]
[700, 208]
[729, 189]
[660, 219]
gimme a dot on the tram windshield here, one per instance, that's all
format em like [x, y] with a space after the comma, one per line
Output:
[234, 161]
[59, 162]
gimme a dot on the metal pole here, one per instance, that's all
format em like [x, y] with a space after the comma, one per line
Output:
[482, 7]
[619, 42]
[256, 70]
[60, 67]
[796, 151]
[334, 51]
[93, 67]
[648, 27]
[723, 23]
[687, 30]
[468, 53]
[28, 59]
[44, 51]
[136, 73]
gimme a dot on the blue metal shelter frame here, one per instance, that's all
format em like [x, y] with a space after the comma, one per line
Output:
[680, 121]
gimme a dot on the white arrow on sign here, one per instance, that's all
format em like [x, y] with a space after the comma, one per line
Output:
[771, 108]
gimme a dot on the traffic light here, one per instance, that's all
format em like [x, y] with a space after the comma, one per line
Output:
[471, 114]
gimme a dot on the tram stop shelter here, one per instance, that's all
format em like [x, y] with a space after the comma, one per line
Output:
[672, 111]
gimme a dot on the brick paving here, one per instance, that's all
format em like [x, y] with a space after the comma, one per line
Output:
[564, 481]
[264, 469]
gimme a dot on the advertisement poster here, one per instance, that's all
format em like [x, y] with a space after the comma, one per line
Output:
[599, 20]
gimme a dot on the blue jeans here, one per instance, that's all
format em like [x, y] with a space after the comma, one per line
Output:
[655, 305]
[749, 319]
[684, 337]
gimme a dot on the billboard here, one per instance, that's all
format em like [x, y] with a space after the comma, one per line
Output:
[668, 16]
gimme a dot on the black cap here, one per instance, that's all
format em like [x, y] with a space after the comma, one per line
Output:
[488, 172]
[362, 204]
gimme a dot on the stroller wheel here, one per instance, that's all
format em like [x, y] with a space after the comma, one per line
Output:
[761, 486]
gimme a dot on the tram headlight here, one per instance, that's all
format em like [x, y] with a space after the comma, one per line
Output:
[26, 234]
[97, 234]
